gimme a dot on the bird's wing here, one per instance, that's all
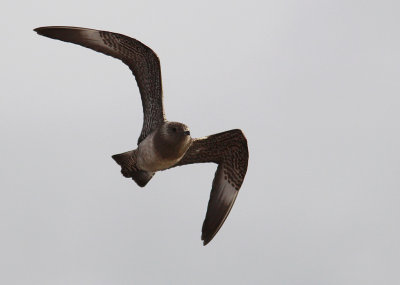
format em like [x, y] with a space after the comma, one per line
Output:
[143, 62]
[229, 150]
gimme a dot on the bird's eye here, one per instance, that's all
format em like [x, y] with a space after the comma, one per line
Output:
[174, 129]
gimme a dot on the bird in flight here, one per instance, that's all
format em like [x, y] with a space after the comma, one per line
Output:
[163, 144]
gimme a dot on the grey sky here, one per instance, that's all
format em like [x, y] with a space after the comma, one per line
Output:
[315, 87]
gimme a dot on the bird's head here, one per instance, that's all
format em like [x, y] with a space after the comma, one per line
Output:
[174, 138]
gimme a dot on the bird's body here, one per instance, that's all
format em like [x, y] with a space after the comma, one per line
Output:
[148, 158]
[163, 144]
[164, 147]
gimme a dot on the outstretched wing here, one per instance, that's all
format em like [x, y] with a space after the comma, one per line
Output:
[143, 62]
[229, 150]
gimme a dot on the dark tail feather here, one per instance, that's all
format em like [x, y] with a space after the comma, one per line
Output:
[127, 161]
[142, 177]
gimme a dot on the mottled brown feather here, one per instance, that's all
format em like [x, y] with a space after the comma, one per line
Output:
[229, 150]
[142, 61]
[127, 161]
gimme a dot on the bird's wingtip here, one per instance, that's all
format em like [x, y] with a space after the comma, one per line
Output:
[40, 30]
[206, 240]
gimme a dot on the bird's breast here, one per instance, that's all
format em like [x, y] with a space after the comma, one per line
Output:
[149, 159]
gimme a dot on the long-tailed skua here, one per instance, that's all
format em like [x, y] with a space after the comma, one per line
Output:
[163, 144]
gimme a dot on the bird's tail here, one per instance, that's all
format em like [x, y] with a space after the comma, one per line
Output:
[127, 161]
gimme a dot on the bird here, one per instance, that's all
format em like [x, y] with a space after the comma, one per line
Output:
[164, 144]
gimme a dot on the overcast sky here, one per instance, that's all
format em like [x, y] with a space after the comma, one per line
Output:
[315, 87]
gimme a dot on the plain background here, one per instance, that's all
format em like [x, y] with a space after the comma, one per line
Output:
[315, 87]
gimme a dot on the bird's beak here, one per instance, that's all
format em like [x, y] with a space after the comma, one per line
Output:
[187, 133]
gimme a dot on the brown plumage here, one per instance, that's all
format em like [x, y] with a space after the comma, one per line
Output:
[229, 150]
[162, 144]
[141, 60]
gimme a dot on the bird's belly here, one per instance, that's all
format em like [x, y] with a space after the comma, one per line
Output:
[152, 163]
[149, 160]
